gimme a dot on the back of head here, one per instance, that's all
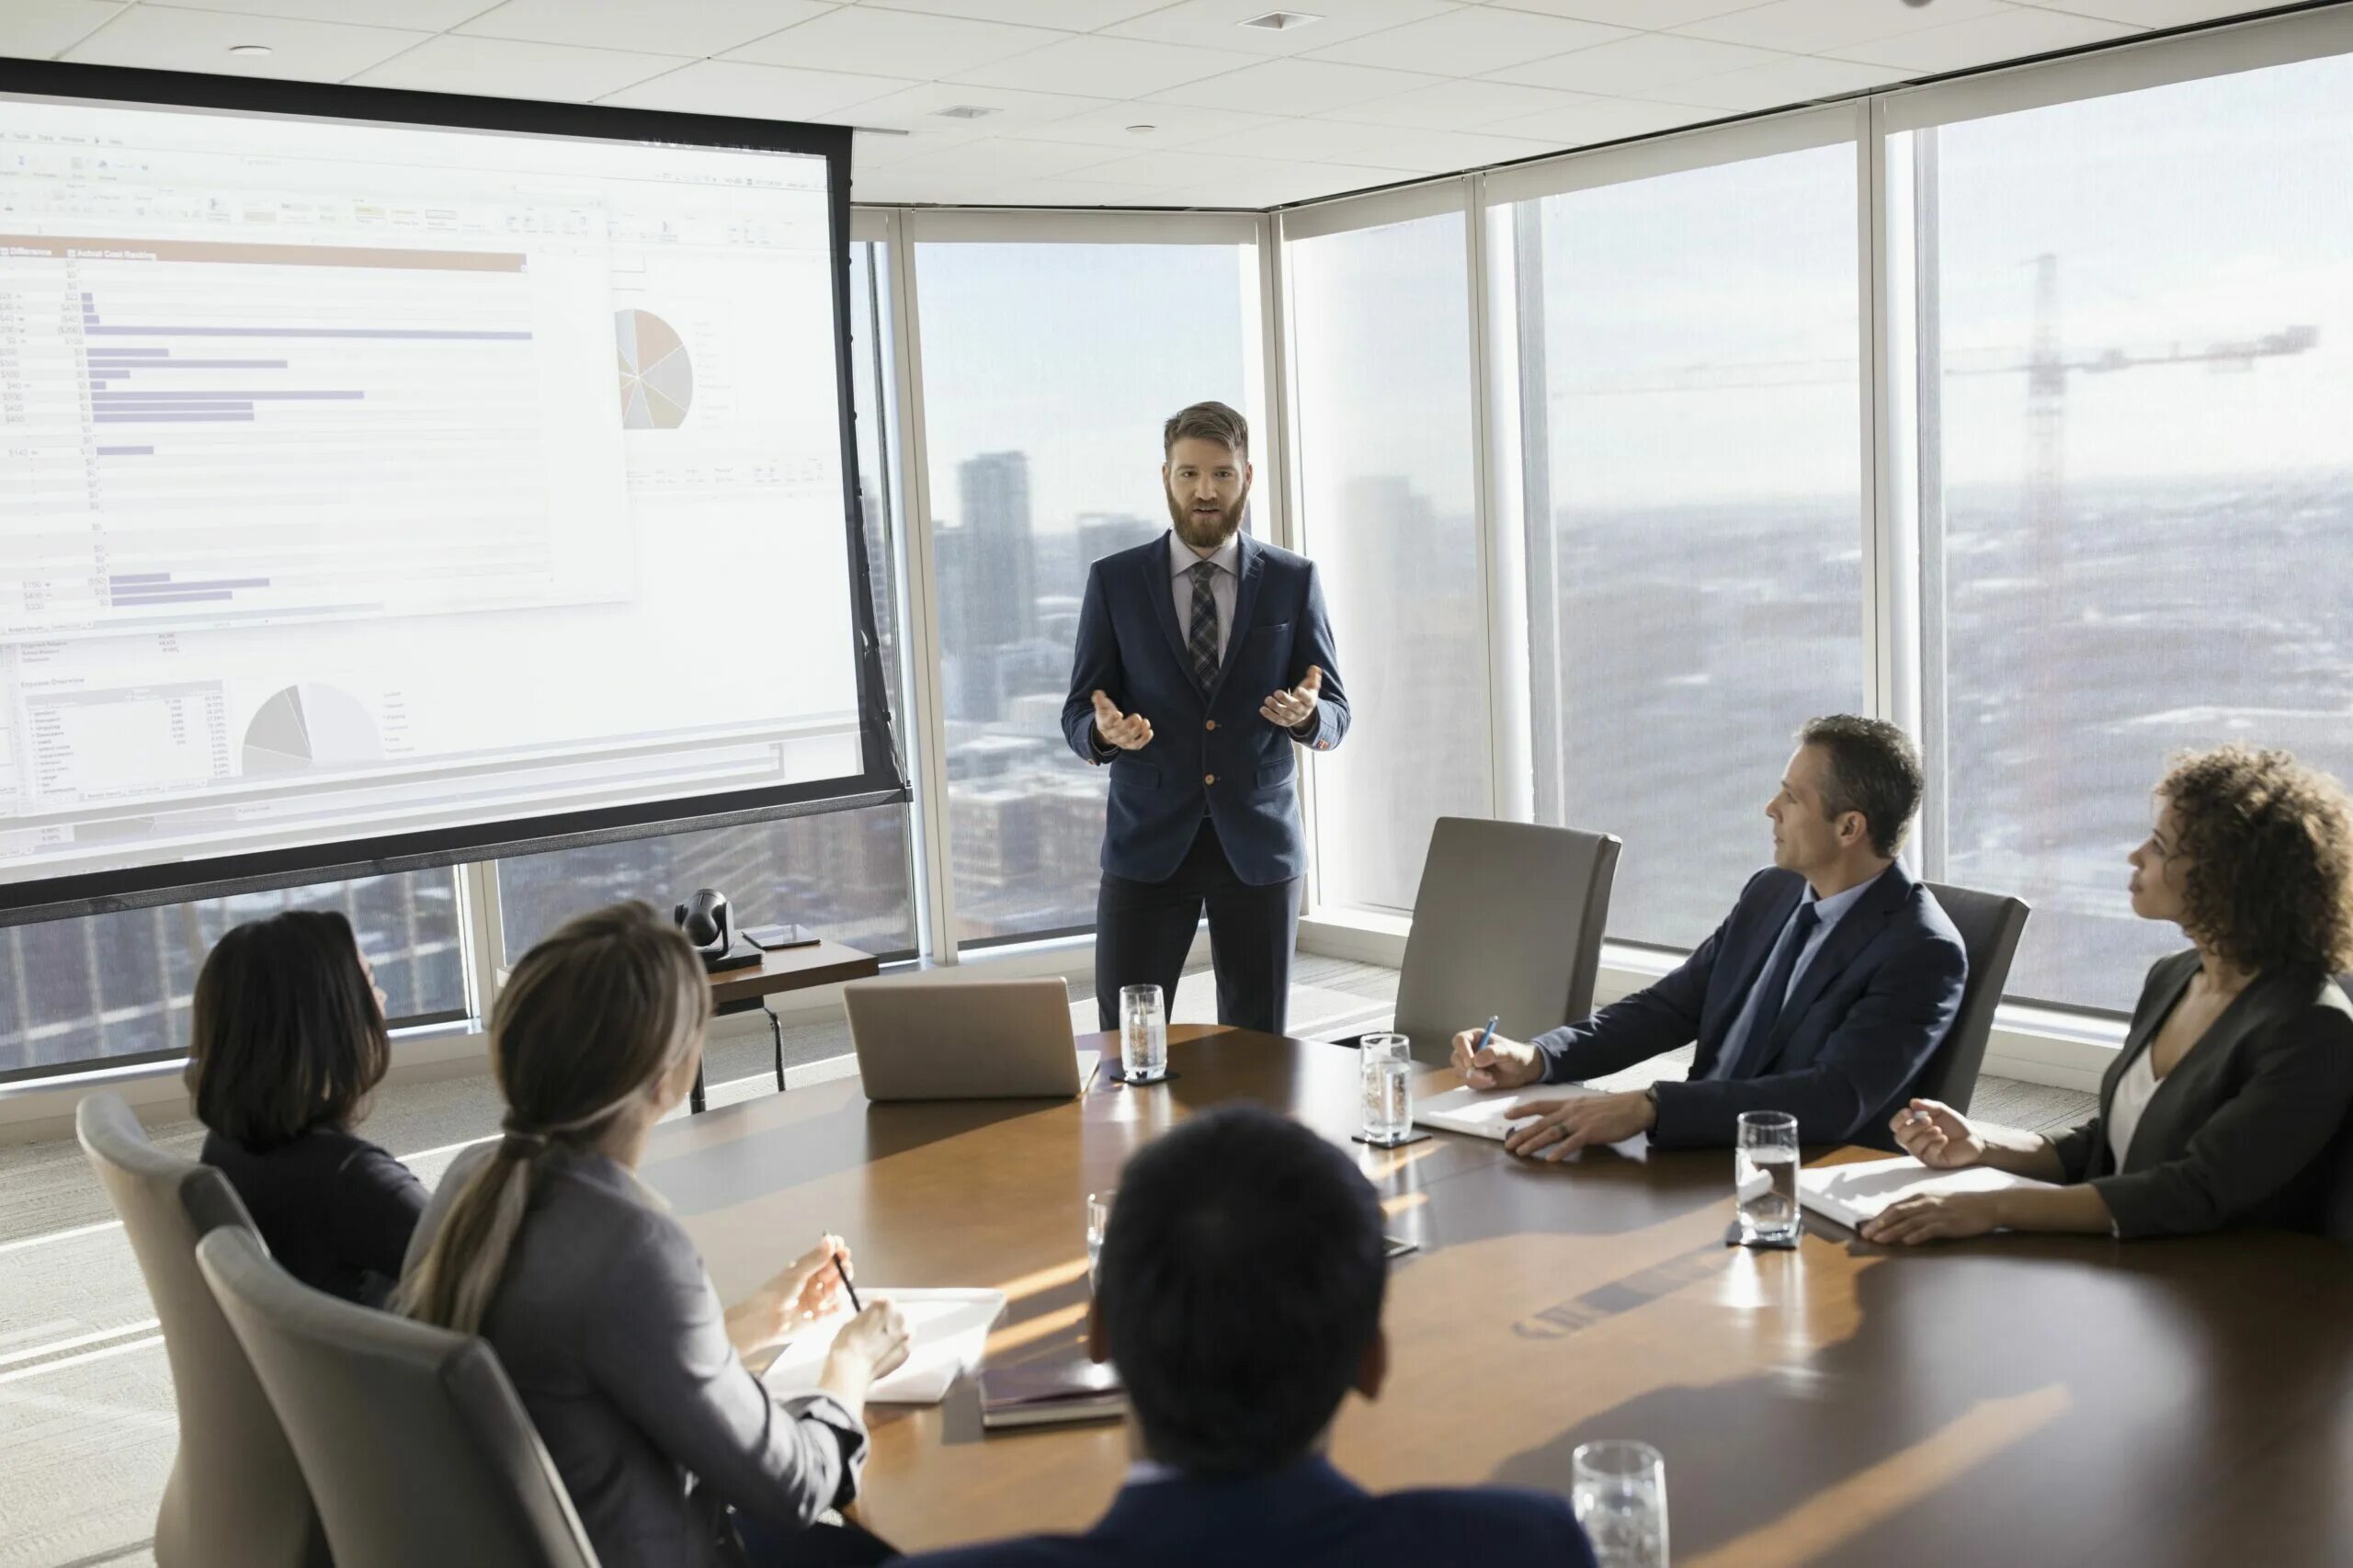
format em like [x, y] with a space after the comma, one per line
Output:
[1240, 1285]
[588, 1023]
[285, 1033]
[2270, 843]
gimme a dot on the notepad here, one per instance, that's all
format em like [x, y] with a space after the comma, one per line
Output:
[1486, 1113]
[1049, 1394]
[1853, 1194]
[948, 1330]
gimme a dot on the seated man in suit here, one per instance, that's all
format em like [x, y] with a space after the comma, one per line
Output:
[1238, 1325]
[1823, 993]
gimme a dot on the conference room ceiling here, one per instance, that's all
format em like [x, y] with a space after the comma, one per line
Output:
[1119, 103]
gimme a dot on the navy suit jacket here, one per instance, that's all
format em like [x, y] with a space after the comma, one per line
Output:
[1209, 752]
[1860, 1024]
[1309, 1516]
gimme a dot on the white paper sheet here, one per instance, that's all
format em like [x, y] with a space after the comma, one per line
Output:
[1484, 1113]
[1852, 1194]
[950, 1330]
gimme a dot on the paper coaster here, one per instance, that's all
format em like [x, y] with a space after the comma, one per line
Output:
[1414, 1137]
[1118, 1077]
[1734, 1238]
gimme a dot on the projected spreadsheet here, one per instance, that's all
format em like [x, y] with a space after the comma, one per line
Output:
[357, 477]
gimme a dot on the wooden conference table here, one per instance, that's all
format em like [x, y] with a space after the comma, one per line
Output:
[2027, 1400]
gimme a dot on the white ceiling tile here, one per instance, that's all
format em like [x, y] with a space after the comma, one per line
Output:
[498, 67]
[1637, 65]
[1800, 79]
[1172, 125]
[890, 186]
[1460, 106]
[1605, 119]
[1807, 27]
[2155, 13]
[1298, 86]
[2010, 35]
[35, 29]
[1217, 24]
[756, 92]
[904, 43]
[1300, 141]
[1471, 43]
[1282, 183]
[1654, 15]
[1000, 159]
[1449, 152]
[879, 150]
[1069, 16]
[707, 27]
[1077, 190]
[412, 16]
[916, 107]
[1110, 67]
[166, 38]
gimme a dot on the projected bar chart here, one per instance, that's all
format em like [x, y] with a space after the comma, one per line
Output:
[219, 432]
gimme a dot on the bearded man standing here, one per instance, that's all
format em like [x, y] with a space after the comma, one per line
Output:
[1202, 659]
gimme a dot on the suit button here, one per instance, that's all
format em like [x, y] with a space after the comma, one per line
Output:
[1210, 725]
[1208, 779]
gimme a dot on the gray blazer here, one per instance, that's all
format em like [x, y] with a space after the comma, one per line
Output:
[2242, 1131]
[611, 1330]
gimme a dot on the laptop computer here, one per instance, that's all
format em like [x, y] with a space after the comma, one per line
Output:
[920, 1038]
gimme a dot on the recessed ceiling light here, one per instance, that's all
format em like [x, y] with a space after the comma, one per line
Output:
[1282, 21]
[965, 111]
[256, 50]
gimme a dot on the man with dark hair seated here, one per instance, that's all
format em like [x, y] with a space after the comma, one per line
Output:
[1239, 1295]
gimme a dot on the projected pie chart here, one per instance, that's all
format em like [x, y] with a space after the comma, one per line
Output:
[657, 377]
[305, 726]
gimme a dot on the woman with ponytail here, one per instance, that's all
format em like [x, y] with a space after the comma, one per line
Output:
[546, 1245]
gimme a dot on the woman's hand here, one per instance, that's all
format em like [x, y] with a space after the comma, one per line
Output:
[803, 1291]
[1936, 1135]
[1935, 1217]
[870, 1346]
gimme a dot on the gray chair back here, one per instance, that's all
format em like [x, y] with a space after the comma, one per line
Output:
[235, 1497]
[1507, 920]
[1990, 924]
[411, 1437]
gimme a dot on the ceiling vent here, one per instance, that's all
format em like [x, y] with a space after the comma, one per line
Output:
[1282, 21]
[965, 111]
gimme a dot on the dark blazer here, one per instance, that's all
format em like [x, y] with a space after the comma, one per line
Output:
[1307, 1517]
[1131, 650]
[336, 1210]
[2241, 1130]
[1860, 1023]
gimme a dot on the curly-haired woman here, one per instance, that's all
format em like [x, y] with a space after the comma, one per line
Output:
[2236, 1075]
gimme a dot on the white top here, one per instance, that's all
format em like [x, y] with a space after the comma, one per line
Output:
[1228, 560]
[2133, 1092]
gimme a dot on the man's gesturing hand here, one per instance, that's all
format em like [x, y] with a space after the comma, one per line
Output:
[1290, 710]
[1128, 732]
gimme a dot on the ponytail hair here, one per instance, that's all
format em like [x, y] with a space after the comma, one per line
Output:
[589, 1021]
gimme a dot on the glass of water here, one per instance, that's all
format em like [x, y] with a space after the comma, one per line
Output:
[1619, 1490]
[1765, 1175]
[1098, 1221]
[1143, 1033]
[1387, 1070]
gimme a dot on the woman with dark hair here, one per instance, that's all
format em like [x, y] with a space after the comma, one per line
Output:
[288, 1044]
[2224, 1105]
[548, 1245]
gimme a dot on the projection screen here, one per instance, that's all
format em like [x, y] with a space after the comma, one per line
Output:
[392, 479]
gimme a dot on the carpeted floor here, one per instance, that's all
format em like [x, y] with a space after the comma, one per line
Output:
[86, 1423]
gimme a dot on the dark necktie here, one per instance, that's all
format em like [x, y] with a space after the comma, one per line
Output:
[1748, 1058]
[1202, 641]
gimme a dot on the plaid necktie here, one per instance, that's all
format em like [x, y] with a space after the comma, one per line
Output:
[1202, 641]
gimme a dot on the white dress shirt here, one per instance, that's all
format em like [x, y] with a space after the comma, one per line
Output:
[1182, 557]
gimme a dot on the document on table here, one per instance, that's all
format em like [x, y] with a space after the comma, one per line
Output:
[1486, 1113]
[1854, 1193]
[949, 1330]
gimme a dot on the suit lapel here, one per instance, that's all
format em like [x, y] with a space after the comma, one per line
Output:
[1159, 568]
[2242, 1012]
[1252, 562]
[1846, 939]
[1752, 965]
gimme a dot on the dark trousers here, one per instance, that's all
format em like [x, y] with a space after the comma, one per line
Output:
[842, 1545]
[1142, 931]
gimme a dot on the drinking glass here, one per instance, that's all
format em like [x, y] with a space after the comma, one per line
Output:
[1765, 1175]
[1099, 1220]
[1619, 1490]
[1143, 1033]
[1386, 1068]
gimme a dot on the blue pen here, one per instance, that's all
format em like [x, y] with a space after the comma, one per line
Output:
[1486, 1035]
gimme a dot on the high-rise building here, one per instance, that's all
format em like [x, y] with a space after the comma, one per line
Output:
[1000, 582]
